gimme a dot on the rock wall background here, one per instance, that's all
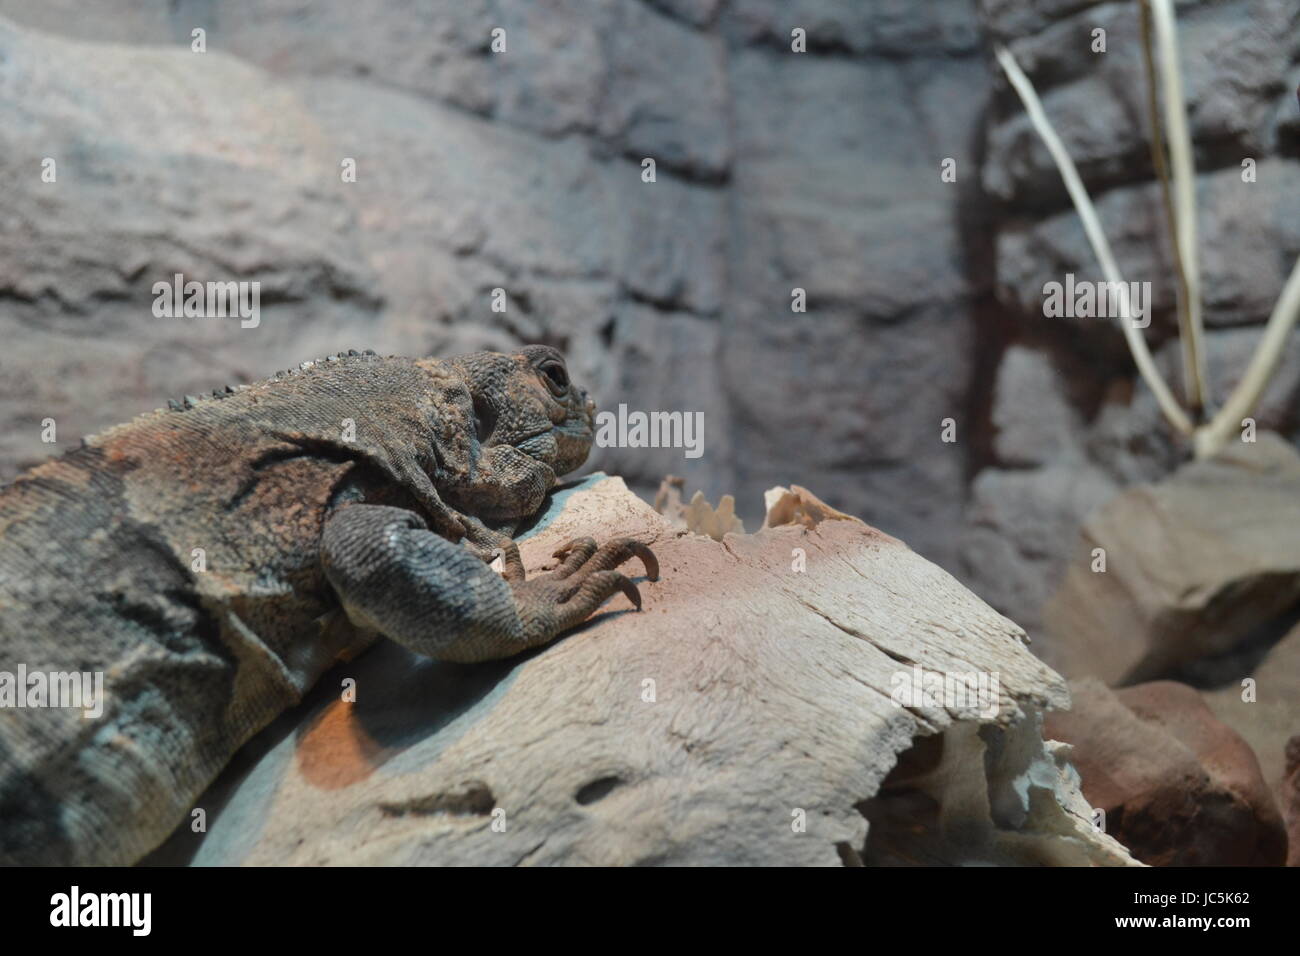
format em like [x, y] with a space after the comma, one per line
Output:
[1069, 425]
[775, 170]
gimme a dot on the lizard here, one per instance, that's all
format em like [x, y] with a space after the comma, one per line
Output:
[214, 558]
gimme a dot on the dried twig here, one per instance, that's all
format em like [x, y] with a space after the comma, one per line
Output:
[1184, 186]
[1092, 228]
[1211, 437]
[1193, 360]
[1208, 438]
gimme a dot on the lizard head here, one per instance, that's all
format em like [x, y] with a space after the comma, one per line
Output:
[527, 400]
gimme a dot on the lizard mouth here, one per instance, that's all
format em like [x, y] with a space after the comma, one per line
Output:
[563, 446]
[536, 446]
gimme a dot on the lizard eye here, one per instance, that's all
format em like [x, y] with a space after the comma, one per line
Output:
[556, 377]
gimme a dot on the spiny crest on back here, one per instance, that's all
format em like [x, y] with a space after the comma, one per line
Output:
[187, 402]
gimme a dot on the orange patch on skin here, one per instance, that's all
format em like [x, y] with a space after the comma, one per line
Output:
[336, 752]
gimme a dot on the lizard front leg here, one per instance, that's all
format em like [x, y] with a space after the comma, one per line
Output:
[395, 576]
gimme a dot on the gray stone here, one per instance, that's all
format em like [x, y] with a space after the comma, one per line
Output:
[519, 171]
[698, 13]
[672, 241]
[667, 362]
[1013, 546]
[1034, 422]
[884, 353]
[1250, 237]
[1266, 717]
[1129, 438]
[881, 449]
[1097, 101]
[79, 256]
[882, 27]
[1011, 18]
[671, 108]
[568, 67]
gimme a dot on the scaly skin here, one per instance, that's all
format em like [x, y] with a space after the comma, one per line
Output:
[314, 540]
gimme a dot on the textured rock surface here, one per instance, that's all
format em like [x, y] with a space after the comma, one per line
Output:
[1238, 59]
[1250, 236]
[746, 697]
[1269, 714]
[1232, 52]
[1194, 567]
[1034, 422]
[1017, 520]
[520, 171]
[1178, 787]
[1291, 800]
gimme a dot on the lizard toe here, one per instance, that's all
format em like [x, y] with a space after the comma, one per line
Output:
[573, 556]
[584, 558]
[593, 591]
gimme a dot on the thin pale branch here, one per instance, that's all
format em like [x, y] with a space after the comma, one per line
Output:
[1212, 437]
[1092, 228]
[1193, 369]
[1180, 158]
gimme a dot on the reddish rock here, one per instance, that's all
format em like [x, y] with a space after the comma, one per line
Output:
[1269, 715]
[1179, 788]
[1291, 788]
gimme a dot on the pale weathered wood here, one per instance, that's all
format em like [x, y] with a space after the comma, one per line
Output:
[771, 695]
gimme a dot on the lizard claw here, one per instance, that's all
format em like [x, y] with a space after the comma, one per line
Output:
[577, 544]
[628, 588]
[594, 588]
[581, 557]
[648, 559]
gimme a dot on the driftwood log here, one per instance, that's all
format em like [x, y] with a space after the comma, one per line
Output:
[754, 712]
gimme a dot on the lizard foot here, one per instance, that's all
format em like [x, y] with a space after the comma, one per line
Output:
[393, 575]
[585, 578]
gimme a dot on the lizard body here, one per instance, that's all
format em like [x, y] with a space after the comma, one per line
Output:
[213, 560]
